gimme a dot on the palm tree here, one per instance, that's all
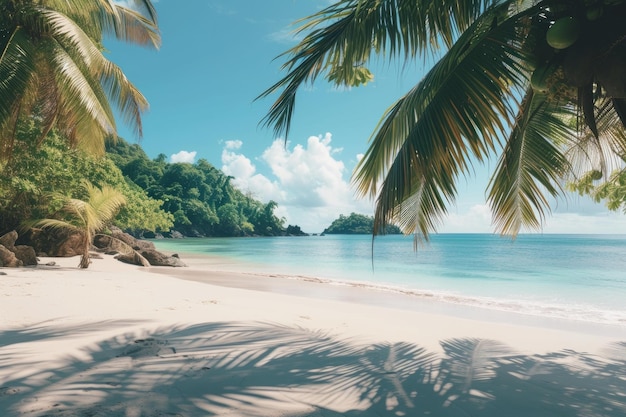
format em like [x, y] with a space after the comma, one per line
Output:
[510, 77]
[52, 67]
[86, 217]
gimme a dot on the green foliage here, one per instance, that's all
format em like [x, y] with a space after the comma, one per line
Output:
[200, 198]
[35, 172]
[356, 224]
[87, 216]
[52, 64]
[611, 191]
[475, 103]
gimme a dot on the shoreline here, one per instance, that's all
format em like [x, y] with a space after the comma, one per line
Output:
[243, 275]
[119, 340]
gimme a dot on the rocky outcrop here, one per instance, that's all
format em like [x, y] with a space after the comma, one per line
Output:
[8, 240]
[13, 256]
[54, 243]
[157, 258]
[8, 258]
[26, 254]
[133, 258]
[41, 243]
[134, 251]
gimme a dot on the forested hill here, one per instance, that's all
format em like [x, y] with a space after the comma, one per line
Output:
[199, 197]
[172, 199]
[356, 224]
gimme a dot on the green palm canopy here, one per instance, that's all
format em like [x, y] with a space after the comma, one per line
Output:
[52, 67]
[537, 84]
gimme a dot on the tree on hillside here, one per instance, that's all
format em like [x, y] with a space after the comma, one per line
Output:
[510, 77]
[86, 217]
[356, 224]
[199, 196]
[35, 172]
[52, 68]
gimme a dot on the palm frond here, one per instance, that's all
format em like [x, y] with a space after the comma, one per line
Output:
[602, 153]
[17, 67]
[108, 17]
[53, 224]
[459, 111]
[530, 166]
[80, 92]
[130, 102]
[103, 205]
[137, 26]
[355, 28]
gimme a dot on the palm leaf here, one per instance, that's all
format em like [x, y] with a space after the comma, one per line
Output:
[103, 204]
[17, 67]
[107, 17]
[54, 224]
[530, 165]
[601, 153]
[428, 138]
[355, 28]
[111, 84]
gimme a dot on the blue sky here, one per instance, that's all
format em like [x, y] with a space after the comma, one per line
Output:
[218, 55]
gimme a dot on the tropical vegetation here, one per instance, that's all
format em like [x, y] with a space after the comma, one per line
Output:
[200, 197]
[161, 197]
[356, 224]
[52, 68]
[58, 97]
[85, 217]
[539, 85]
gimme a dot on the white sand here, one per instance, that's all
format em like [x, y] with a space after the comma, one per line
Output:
[118, 340]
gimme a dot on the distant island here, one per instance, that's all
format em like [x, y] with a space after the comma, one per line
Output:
[356, 224]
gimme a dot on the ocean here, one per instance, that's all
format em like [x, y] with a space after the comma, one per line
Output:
[576, 277]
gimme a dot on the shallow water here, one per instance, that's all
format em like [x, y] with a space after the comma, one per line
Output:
[580, 277]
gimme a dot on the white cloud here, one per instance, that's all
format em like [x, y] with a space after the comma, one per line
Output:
[478, 219]
[183, 156]
[309, 183]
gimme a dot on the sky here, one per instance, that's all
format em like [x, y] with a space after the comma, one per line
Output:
[217, 56]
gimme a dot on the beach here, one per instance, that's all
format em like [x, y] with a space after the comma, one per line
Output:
[121, 340]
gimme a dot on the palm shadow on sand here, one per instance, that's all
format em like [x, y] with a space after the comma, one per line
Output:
[263, 369]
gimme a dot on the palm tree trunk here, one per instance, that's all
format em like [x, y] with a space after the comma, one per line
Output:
[84, 259]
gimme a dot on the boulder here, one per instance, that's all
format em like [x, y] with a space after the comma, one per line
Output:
[8, 258]
[157, 258]
[8, 240]
[133, 259]
[26, 254]
[105, 242]
[72, 246]
[145, 252]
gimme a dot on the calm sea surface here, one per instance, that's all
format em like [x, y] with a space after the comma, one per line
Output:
[579, 277]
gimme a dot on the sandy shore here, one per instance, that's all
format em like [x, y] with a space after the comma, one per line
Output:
[119, 340]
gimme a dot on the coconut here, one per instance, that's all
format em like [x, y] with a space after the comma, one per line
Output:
[563, 33]
[541, 75]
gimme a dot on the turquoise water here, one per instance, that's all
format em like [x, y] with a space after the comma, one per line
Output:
[579, 277]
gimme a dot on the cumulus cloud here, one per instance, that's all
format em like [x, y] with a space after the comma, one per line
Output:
[309, 182]
[311, 185]
[183, 156]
